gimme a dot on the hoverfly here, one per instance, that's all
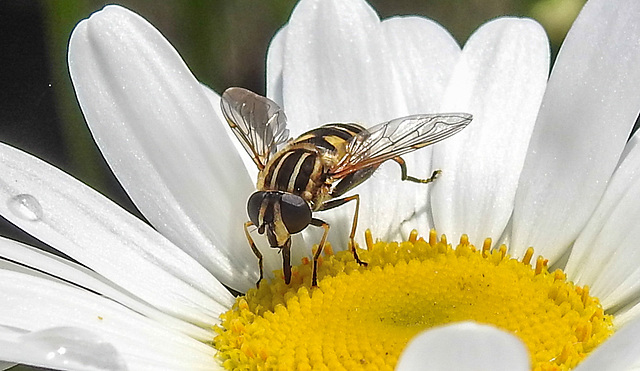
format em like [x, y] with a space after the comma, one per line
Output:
[312, 172]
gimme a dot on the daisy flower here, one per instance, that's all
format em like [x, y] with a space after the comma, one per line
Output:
[544, 164]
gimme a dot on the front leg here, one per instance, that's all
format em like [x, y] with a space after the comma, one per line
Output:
[286, 260]
[316, 256]
[254, 249]
[341, 201]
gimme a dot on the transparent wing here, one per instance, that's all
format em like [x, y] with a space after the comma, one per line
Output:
[394, 138]
[258, 122]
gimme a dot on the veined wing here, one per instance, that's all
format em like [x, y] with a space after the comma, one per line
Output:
[397, 137]
[258, 122]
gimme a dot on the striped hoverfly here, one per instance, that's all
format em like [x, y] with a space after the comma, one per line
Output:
[312, 172]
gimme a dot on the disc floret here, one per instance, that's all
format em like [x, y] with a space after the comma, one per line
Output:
[366, 315]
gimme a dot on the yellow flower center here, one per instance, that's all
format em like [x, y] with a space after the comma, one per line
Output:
[362, 317]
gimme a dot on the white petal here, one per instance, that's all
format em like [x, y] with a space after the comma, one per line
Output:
[163, 139]
[464, 346]
[275, 66]
[73, 218]
[34, 304]
[587, 113]
[249, 166]
[64, 348]
[619, 352]
[626, 314]
[74, 273]
[335, 65]
[500, 79]
[423, 55]
[342, 64]
[605, 256]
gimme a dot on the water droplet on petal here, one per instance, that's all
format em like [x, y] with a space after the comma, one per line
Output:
[25, 206]
[72, 348]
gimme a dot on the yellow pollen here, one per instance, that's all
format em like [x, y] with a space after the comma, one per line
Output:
[361, 317]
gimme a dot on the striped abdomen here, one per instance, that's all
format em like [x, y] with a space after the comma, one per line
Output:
[331, 137]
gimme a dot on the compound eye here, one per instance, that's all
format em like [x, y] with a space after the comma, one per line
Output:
[295, 211]
[253, 206]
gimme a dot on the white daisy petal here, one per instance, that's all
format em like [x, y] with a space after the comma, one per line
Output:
[628, 313]
[324, 48]
[335, 65]
[342, 64]
[161, 136]
[249, 165]
[464, 346]
[482, 164]
[66, 214]
[10, 262]
[422, 57]
[81, 276]
[64, 348]
[605, 256]
[630, 147]
[34, 304]
[587, 112]
[275, 66]
[619, 352]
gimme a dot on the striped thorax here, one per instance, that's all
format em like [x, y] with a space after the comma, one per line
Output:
[302, 166]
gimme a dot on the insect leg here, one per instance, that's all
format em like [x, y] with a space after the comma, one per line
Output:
[254, 249]
[403, 168]
[286, 260]
[316, 256]
[341, 201]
